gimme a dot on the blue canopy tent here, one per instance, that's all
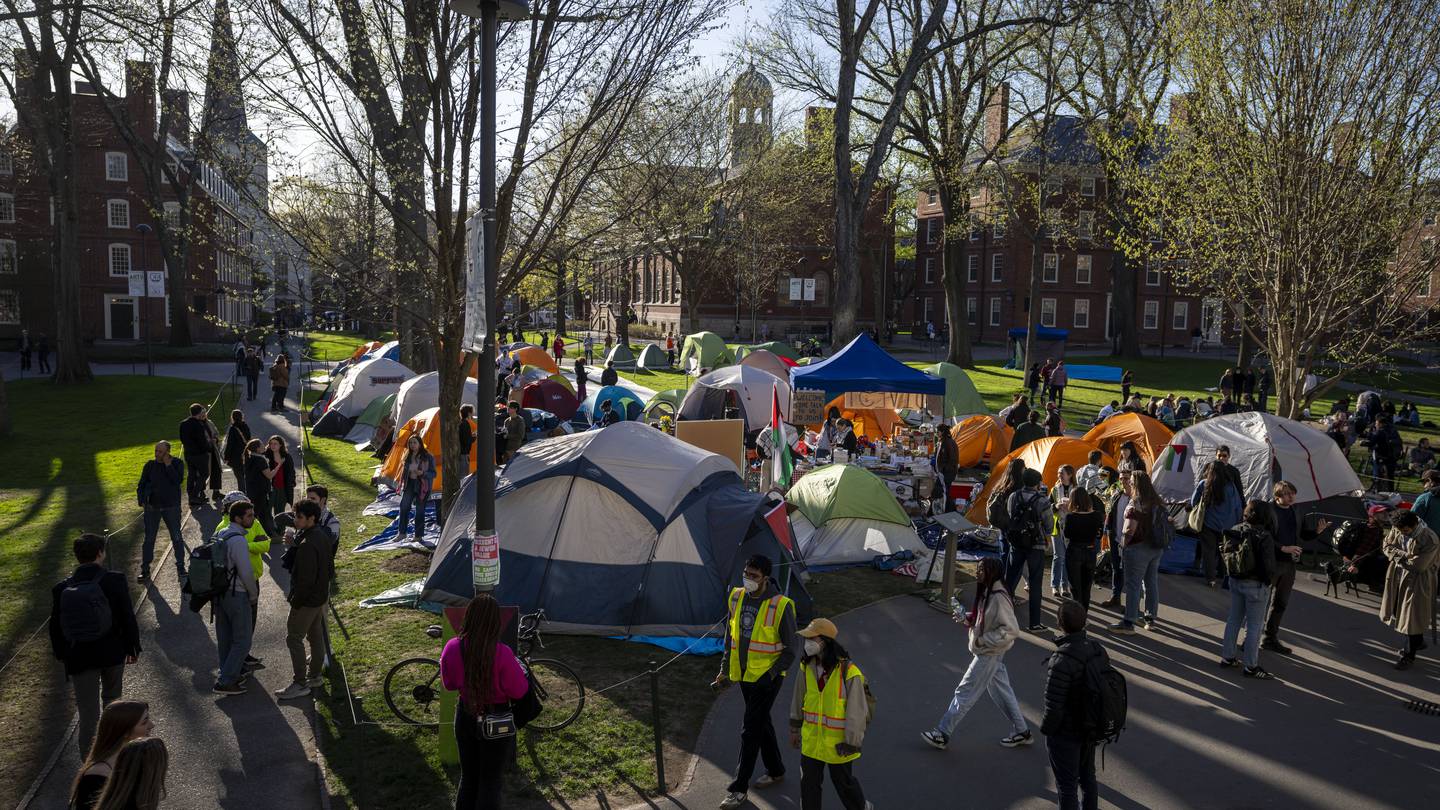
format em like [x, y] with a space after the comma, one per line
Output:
[862, 366]
[1049, 342]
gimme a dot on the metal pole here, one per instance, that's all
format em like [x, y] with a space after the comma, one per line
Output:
[655, 721]
[485, 417]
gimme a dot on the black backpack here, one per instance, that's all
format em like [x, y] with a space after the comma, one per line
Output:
[209, 572]
[1237, 551]
[1024, 531]
[1103, 698]
[997, 511]
[84, 612]
[1162, 531]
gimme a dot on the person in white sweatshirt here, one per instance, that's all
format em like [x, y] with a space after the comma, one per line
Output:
[234, 622]
[993, 629]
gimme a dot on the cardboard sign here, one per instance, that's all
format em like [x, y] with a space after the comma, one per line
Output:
[891, 400]
[723, 436]
[807, 407]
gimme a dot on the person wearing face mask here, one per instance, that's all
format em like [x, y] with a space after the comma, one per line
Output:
[829, 710]
[759, 649]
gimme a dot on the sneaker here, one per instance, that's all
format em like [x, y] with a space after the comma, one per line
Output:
[1015, 740]
[293, 691]
[1145, 623]
[315, 682]
[1229, 663]
[936, 739]
[1112, 602]
[732, 801]
[1258, 673]
[1123, 627]
[252, 664]
[1037, 628]
[1405, 662]
[143, 576]
[768, 781]
[1274, 645]
[228, 689]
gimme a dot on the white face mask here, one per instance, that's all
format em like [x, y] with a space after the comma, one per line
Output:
[813, 647]
[751, 585]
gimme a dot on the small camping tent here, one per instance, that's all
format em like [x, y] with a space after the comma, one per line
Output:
[961, 398]
[363, 429]
[979, 438]
[664, 403]
[426, 425]
[608, 546]
[1150, 435]
[362, 350]
[419, 393]
[621, 356]
[1265, 448]
[535, 356]
[390, 351]
[1049, 341]
[752, 390]
[765, 360]
[777, 348]
[844, 514]
[704, 350]
[621, 400]
[366, 382]
[1046, 455]
[548, 395]
[652, 357]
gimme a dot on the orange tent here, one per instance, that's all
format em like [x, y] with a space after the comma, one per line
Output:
[1047, 455]
[1150, 435]
[365, 348]
[536, 356]
[867, 422]
[426, 425]
[979, 437]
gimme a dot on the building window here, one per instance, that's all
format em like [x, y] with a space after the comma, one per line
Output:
[1082, 268]
[1152, 276]
[994, 311]
[120, 260]
[1152, 315]
[975, 229]
[822, 290]
[7, 208]
[9, 307]
[929, 309]
[116, 166]
[999, 228]
[118, 213]
[997, 267]
[1085, 224]
[932, 230]
[1047, 311]
[1053, 185]
[1051, 274]
[932, 197]
[929, 269]
[8, 262]
[972, 309]
[1082, 313]
[1087, 187]
[1427, 249]
[1180, 318]
[7, 162]
[973, 274]
[172, 214]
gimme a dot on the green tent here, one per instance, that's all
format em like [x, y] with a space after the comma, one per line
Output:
[653, 357]
[707, 349]
[845, 491]
[778, 348]
[664, 403]
[378, 409]
[621, 356]
[961, 398]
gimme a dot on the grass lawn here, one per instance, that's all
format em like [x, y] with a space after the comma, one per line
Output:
[608, 751]
[70, 466]
[331, 346]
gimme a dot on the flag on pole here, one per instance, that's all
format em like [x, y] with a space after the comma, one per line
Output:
[1175, 458]
[780, 457]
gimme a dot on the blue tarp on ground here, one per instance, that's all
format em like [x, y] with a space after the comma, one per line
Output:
[1179, 558]
[864, 366]
[1109, 374]
[1041, 333]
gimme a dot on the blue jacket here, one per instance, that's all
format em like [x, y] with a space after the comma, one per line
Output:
[1223, 515]
[1427, 508]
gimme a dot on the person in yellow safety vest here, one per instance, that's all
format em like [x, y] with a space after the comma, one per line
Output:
[828, 714]
[759, 649]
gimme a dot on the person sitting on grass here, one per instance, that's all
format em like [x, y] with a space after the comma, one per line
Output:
[1422, 458]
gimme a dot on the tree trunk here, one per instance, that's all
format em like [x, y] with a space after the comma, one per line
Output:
[560, 301]
[71, 364]
[452, 386]
[1032, 312]
[952, 276]
[1245, 350]
[847, 275]
[411, 254]
[1124, 282]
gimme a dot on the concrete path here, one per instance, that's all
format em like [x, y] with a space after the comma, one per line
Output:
[247, 751]
[1333, 731]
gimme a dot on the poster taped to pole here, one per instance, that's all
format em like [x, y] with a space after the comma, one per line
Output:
[475, 326]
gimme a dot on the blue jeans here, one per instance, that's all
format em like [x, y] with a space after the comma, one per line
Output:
[234, 630]
[1058, 576]
[1248, 601]
[171, 516]
[987, 673]
[1142, 569]
[407, 500]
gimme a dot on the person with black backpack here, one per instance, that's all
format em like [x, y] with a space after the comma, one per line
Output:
[232, 590]
[1085, 705]
[93, 631]
[1030, 518]
[1249, 554]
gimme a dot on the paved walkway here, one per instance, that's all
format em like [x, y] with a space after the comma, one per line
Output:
[1334, 731]
[248, 751]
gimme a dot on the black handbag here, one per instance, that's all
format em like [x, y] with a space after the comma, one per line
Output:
[528, 707]
[497, 725]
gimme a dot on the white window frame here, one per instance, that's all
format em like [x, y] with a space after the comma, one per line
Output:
[110, 254]
[172, 214]
[929, 269]
[972, 310]
[9, 257]
[1152, 276]
[13, 295]
[1180, 316]
[1048, 308]
[1050, 268]
[932, 233]
[928, 309]
[997, 267]
[1053, 185]
[977, 230]
[7, 162]
[995, 311]
[113, 206]
[1087, 187]
[1151, 318]
[999, 228]
[1081, 318]
[932, 197]
[7, 208]
[1086, 263]
[972, 275]
[1085, 224]
[114, 161]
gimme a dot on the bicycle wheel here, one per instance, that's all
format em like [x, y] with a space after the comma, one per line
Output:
[560, 692]
[412, 691]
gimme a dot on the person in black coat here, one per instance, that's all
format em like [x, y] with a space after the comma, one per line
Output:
[237, 435]
[1072, 751]
[195, 441]
[609, 376]
[159, 495]
[95, 647]
[467, 430]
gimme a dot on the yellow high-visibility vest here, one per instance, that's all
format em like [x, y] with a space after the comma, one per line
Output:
[824, 714]
[765, 642]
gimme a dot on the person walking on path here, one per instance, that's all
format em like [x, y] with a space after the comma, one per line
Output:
[993, 629]
[1414, 554]
[1114, 499]
[1032, 380]
[1067, 739]
[1290, 532]
[237, 436]
[216, 475]
[670, 350]
[251, 368]
[26, 347]
[589, 344]
[93, 632]
[1084, 523]
[257, 544]
[257, 484]
[234, 609]
[159, 495]
[282, 474]
[609, 376]
[1220, 503]
[120, 722]
[42, 349]
[829, 710]
[279, 383]
[195, 443]
[1031, 517]
[580, 379]
[558, 348]
[1059, 378]
[1065, 484]
[947, 463]
[759, 648]
[1127, 379]
[1143, 510]
[1249, 551]
[486, 673]
[311, 570]
[238, 352]
[138, 781]
[417, 476]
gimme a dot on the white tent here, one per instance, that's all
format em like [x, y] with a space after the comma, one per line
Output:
[366, 382]
[752, 387]
[423, 392]
[1266, 449]
[851, 540]
[766, 360]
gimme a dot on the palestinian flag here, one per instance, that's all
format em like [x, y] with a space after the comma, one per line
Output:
[780, 456]
[1175, 458]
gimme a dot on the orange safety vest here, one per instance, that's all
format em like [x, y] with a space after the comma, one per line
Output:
[765, 641]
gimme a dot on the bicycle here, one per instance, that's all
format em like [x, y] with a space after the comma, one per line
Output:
[412, 687]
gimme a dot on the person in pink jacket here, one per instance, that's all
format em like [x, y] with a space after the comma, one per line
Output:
[487, 674]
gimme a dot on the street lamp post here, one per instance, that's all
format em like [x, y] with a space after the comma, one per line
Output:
[144, 230]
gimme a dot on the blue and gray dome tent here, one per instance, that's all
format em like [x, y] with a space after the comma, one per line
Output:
[625, 531]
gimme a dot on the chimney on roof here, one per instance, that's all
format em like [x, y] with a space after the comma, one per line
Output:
[176, 104]
[140, 97]
[997, 116]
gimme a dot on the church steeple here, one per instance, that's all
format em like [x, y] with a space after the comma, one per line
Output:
[224, 118]
[751, 104]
